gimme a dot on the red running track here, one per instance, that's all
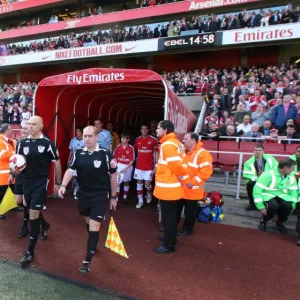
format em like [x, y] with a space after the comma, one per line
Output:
[217, 262]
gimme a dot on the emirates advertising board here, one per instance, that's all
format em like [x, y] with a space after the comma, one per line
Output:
[262, 34]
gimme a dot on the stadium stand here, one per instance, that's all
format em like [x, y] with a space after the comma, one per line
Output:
[185, 25]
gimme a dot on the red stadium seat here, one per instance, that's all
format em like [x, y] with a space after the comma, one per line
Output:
[228, 160]
[291, 149]
[247, 147]
[211, 146]
[271, 148]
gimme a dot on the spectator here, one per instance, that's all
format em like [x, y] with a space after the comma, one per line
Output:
[239, 116]
[225, 100]
[245, 126]
[231, 132]
[211, 133]
[223, 128]
[266, 128]
[290, 135]
[257, 99]
[259, 116]
[283, 112]
[254, 133]
[3, 115]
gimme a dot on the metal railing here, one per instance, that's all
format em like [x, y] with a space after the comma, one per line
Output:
[239, 169]
[241, 138]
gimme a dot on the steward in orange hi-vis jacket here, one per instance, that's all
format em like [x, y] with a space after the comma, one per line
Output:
[169, 180]
[7, 149]
[198, 163]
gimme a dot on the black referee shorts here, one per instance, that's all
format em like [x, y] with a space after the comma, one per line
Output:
[18, 188]
[35, 192]
[92, 204]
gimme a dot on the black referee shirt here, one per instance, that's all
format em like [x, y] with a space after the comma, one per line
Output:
[39, 154]
[93, 169]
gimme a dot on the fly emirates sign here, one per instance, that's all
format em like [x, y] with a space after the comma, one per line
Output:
[262, 34]
[94, 78]
[97, 51]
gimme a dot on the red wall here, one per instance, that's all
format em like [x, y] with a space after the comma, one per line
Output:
[263, 55]
[195, 60]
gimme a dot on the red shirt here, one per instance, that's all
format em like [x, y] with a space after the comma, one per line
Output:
[124, 155]
[272, 102]
[258, 99]
[145, 148]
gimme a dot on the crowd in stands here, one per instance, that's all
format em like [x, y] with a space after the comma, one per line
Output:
[253, 103]
[212, 23]
[16, 102]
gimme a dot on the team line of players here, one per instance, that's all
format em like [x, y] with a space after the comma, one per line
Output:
[143, 154]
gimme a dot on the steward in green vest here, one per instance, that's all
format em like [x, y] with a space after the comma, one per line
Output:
[296, 158]
[253, 167]
[276, 192]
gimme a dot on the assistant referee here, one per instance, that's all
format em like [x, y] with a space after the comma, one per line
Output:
[97, 180]
[39, 152]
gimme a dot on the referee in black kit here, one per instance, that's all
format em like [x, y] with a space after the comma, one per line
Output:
[97, 181]
[39, 153]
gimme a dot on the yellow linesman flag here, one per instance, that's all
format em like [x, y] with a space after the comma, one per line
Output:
[8, 202]
[113, 240]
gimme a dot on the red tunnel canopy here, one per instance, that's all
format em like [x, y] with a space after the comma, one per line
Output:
[127, 97]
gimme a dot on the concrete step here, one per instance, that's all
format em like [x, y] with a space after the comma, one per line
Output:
[252, 223]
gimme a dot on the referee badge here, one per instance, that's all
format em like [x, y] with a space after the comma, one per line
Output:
[97, 163]
[41, 149]
[26, 150]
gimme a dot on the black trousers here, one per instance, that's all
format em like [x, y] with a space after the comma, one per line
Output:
[190, 214]
[169, 210]
[250, 185]
[3, 189]
[280, 207]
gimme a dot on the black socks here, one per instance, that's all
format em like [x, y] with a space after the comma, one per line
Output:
[34, 234]
[92, 245]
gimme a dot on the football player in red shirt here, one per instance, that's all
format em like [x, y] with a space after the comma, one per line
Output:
[146, 158]
[124, 154]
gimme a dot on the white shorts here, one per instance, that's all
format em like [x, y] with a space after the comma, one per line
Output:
[74, 173]
[143, 175]
[128, 172]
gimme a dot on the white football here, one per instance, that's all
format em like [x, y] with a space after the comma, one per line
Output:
[17, 162]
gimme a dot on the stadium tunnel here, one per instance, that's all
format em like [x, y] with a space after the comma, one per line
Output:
[127, 97]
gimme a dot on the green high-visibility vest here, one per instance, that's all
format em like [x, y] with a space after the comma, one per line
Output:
[294, 158]
[270, 184]
[249, 171]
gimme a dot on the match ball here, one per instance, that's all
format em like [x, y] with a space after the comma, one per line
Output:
[17, 162]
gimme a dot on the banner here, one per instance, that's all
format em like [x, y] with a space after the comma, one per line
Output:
[175, 111]
[262, 34]
[120, 16]
[24, 4]
[201, 40]
[81, 53]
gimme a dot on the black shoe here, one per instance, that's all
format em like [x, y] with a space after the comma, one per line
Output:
[44, 232]
[161, 238]
[282, 228]
[162, 249]
[2, 217]
[23, 232]
[161, 229]
[26, 259]
[262, 225]
[18, 209]
[125, 201]
[298, 242]
[85, 267]
[183, 232]
[250, 207]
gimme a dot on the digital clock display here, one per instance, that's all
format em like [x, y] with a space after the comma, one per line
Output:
[188, 41]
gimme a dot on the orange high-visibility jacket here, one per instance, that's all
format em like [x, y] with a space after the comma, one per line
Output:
[6, 151]
[170, 173]
[198, 163]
